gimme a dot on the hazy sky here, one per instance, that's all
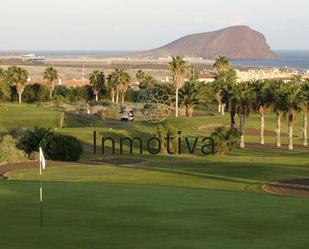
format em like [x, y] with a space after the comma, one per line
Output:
[143, 24]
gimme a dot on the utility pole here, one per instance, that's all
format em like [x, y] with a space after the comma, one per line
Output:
[83, 74]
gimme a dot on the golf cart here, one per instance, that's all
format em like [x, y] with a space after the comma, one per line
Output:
[127, 116]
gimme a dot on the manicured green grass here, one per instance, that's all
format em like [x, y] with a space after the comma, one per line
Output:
[183, 201]
[239, 171]
[117, 216]
[27, 116]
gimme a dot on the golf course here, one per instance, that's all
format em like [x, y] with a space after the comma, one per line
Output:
[154, 201]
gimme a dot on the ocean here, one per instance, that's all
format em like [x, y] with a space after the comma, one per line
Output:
[298, 59]
[69, 53]
[286, 58]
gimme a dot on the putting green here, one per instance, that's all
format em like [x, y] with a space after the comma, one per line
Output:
[136, 175]
[114, 216]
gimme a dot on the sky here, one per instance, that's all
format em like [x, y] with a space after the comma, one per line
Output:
[144, 24]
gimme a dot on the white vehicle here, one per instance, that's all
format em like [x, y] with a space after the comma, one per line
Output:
[127, 116]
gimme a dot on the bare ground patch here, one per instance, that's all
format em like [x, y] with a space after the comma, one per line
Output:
[297, 187]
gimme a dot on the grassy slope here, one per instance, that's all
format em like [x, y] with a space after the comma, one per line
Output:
[15, 115]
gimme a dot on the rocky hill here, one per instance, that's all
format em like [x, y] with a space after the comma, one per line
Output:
[237, 42]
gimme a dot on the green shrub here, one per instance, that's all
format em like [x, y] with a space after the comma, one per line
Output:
[62, 147]
[33, 93]
[161, 133]
[58, 100]
[9, 152]
[16, 132]
[225, 140]
[31, 139]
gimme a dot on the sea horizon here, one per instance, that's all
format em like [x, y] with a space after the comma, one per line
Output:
[287, 58]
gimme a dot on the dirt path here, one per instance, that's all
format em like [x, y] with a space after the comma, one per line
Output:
[298, 188]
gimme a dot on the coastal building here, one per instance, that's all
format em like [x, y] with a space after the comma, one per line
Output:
[207, 77]
[261, 74]
[256, 74]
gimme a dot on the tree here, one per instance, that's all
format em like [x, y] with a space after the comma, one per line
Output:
[262, 100]
[225, 80]
[225, 140]
[224, 85]
[31, 139]
[194, 74]
[279, 104]
[122, 80]
[5, 90]
[62, 147]
[9, 152]
[243, 99]
[140, 76]
[297, 78]
[222, 64]
[190, 95]
[111, 86]
[50, 75]
[18, 77]
[292, 94]
[305, 107]
[178, 69]
[148, 82]
[97, 80]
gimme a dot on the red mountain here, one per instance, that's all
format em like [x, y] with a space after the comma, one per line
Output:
[237, 42]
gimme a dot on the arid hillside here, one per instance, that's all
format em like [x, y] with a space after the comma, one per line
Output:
[238, 42]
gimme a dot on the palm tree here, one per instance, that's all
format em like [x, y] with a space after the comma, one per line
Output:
[97, 80]
[18, 77]
[243, 99]
[148, 82]
[222, 64]
[50, 75]
[262, 100]
[279, 104]
[140, 76]
[297, 78]
[194, 74]
[225, 80]
[292, 93]
[111, 86]
[190, 95]
[122, 80]
[217, 89]
[5, 90]
[178, 69]
[305, 108]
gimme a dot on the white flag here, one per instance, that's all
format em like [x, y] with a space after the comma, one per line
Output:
[42, 159]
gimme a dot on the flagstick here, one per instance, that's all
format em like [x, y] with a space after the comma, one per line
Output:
[41, 203]
[42, 165]
[41, 195]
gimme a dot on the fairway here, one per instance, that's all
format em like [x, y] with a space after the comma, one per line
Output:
[27, 116]
[164, 201]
